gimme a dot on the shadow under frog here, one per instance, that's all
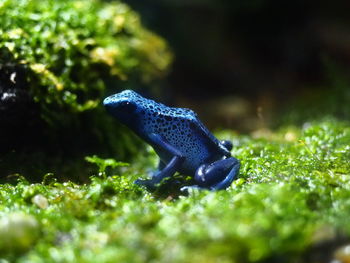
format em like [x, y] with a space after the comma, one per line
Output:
[181, 141]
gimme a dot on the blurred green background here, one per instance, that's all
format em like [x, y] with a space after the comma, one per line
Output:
[260, 55]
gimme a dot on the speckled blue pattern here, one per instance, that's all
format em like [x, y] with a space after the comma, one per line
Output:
[178, 127]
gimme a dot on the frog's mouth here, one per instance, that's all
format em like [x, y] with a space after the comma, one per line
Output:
[121, 108]
[114, 105]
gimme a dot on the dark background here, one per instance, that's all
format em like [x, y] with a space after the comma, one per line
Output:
[258, 55]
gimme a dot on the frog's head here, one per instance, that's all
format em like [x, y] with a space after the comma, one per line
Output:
[123, 106]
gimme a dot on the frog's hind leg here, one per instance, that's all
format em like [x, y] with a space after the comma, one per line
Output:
[217, 175]
[228, 179]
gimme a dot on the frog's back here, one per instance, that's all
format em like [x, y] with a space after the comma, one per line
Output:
[184, 131]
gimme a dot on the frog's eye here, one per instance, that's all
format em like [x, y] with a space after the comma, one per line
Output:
[126, 106]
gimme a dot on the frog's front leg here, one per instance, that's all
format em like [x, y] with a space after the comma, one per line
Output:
[227, 144]
[217, 175]
[165, 170]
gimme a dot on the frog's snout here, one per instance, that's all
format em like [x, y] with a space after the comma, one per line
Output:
[116, 105]
[114, 102]
[109, 104]
[106, 101]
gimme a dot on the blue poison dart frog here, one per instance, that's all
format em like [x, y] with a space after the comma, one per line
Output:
[181, 141]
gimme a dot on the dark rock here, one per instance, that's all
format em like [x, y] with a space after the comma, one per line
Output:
[19, 115]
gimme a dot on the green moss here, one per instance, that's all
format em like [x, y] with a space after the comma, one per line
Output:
[69, 55]
[73, 50]
[292, 194]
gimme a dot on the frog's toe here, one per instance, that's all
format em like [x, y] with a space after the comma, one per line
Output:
[139, 181]
[191, 188]
[148, 184]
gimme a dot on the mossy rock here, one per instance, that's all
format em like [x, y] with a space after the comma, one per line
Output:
[58, 59]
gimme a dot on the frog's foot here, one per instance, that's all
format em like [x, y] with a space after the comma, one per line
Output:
[147, 183]
[217, 175]
[164, 170]
[191, 188]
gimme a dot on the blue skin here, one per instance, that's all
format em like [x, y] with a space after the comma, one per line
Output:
[181, 141]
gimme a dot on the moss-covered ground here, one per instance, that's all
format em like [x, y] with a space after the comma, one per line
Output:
[290, 204]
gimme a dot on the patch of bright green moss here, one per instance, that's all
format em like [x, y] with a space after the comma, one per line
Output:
[69, 55]
[73, 50]
[293, 192]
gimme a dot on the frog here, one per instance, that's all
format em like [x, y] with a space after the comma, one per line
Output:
[182, 142]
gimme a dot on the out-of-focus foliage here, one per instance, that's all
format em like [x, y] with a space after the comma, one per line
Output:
[251, 48]
[72, 50]
[103, 164]
[331, 100]
[65, 56]
[292, 194]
